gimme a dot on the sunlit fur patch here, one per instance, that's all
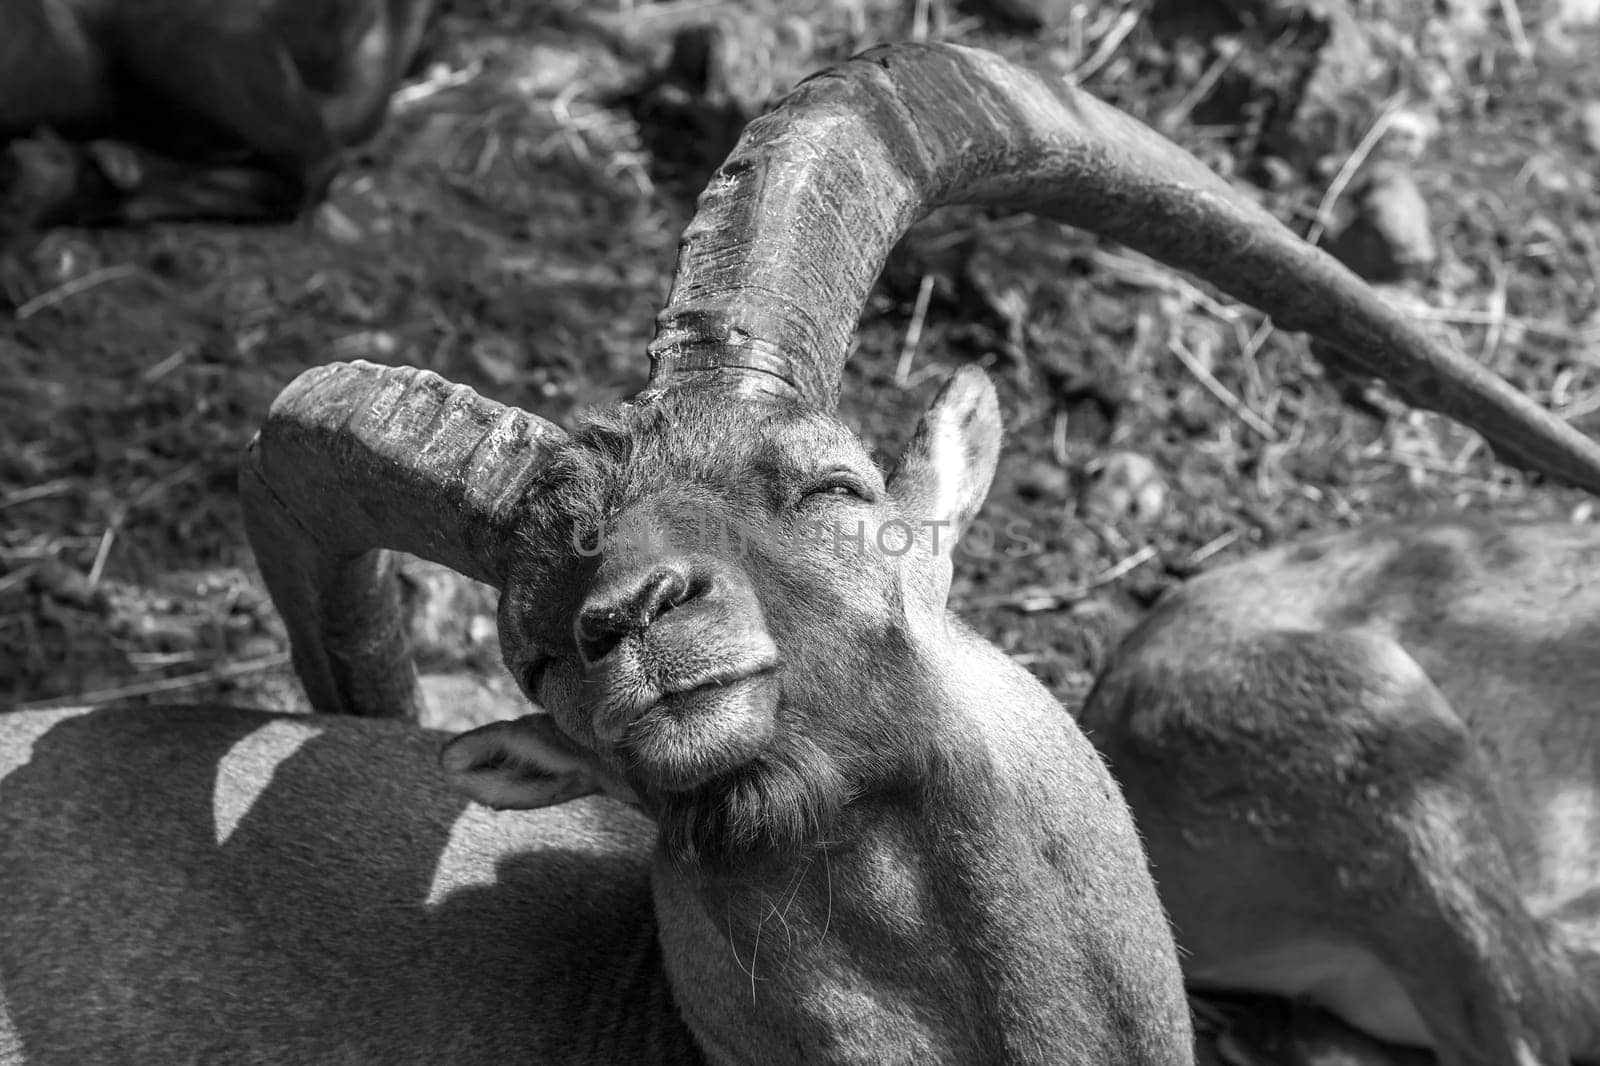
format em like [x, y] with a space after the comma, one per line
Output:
[461, 864]
[246, 770]
[22, 732]
[778, 804]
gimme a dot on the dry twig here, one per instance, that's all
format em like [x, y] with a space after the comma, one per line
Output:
[75, 287]
[1034, 600]
[1220, 391]
[159, 686]
[1347, 172]
[913, 338]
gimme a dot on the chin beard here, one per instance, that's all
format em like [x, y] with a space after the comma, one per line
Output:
[774, 807]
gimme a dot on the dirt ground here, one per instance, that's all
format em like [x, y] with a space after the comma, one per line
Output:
[514, 229]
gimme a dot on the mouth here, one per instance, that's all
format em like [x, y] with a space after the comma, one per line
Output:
[701, 727]
[682, 691]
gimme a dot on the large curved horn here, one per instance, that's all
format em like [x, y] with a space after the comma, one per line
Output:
[794, 228]
[355, 458]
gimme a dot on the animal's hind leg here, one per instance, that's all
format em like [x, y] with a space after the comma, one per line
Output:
[155, 188]
[1320, 822]
[1574, 929]
[1459, 937]
[46, 182]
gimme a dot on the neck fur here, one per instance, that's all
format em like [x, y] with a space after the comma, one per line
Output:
[990, 912]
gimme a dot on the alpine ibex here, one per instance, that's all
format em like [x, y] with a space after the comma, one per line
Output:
[1367, 769]
[189, 109]
[838, 825]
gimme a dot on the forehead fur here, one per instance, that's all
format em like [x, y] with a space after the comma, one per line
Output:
[701, 442]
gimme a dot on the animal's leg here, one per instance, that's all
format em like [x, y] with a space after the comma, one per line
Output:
[1460, 939]
[1269, 1031]
[151, 187]
[1574, 930]
[46, 182]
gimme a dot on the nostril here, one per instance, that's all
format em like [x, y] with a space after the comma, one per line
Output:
[619, 611]
[598, 637]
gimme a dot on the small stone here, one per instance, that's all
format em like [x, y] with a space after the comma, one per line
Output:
[1565, 26]
[483, 631]
[258, 647]
[1043, 479]
[1391, 237]
[1589, 125]
[67, 584]
[337, 226]
[1277, 173]
[156, 634]
[1408, 135]
[499, 357]
[1125, 485]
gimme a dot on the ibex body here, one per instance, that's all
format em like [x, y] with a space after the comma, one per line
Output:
[223, 109]
[935, 869]
[1367, 768]
[864, 835]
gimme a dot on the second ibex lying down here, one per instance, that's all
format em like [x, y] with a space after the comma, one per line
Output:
[837, 826]
[1393, 735]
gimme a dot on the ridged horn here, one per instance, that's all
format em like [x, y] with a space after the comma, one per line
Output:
[355, 459]
[794, 228]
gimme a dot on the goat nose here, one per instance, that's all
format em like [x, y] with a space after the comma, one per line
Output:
[620, 608]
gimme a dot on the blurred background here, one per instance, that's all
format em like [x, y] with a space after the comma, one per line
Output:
[513, 223]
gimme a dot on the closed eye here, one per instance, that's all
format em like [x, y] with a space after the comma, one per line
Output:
[839, 486]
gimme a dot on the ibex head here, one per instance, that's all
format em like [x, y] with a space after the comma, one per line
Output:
[697, 576]
[683, 586]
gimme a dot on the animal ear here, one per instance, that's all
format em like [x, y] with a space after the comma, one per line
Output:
[526, 763]
[945, 472]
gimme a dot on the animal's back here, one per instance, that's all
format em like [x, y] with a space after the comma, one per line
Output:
[205, 885]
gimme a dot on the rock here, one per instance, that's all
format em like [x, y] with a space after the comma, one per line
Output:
[1341, 66]
[1589, 125]
[337, 226]
[1125, 485]
[719, 75]
[1327, 64]
[1408, 135]
[1391, 236]
[1566, 26]
[1043, 479]
[1277, 173]
[67, 584]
